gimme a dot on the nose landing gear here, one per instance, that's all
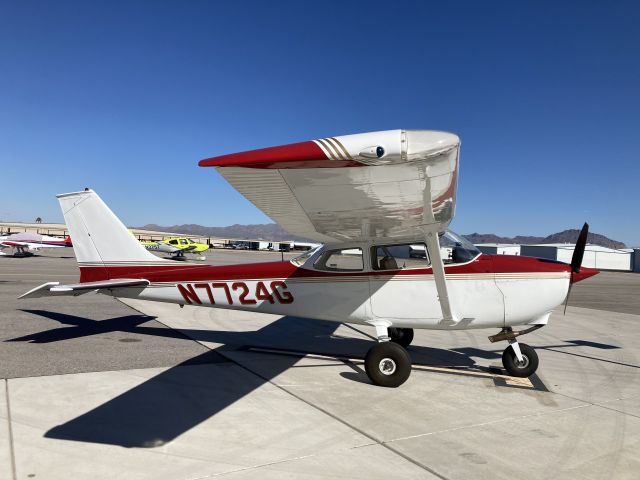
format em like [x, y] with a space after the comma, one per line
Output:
[523, 366]
[518, 359]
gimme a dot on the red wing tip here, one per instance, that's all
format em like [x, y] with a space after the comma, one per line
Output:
[295, 153]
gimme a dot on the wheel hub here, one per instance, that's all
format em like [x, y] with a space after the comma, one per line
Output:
[387, 366]
[524, 363]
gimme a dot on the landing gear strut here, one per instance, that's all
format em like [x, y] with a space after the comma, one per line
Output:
[387, 363]
[518, 359]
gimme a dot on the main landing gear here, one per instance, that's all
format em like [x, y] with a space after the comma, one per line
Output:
[518, 359]
[21, 252]
[388, 363]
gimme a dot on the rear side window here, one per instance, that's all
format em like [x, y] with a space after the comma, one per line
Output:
[397, 257]
[342, 260]
[173, 242]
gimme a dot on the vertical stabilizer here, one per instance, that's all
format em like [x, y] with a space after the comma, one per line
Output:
[99, 237]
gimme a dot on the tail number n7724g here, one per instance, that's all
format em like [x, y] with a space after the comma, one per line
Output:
[223, 293]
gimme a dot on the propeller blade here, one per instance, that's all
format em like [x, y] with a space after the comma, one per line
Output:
[576, 259]
[578, 252]
[566, 300]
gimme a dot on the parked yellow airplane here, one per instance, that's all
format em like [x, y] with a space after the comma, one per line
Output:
[176, 246]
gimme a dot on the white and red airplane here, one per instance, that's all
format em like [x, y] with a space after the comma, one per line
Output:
[380, 204]
[24, 244]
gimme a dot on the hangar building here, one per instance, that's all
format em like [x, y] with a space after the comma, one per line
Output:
[499, 248]
[595, 256]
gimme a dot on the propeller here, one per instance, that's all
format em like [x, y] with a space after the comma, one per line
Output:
[576, 259]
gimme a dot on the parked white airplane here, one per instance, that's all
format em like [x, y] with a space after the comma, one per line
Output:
[24, 244]
[370, 199]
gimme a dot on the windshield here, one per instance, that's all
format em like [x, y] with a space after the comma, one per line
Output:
[301, 259]
[459, 249]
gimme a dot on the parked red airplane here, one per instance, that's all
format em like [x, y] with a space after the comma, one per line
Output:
[25, 243]
[380, 203]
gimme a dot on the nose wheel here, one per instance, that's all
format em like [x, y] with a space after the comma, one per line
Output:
[523, 365]
[518, 359]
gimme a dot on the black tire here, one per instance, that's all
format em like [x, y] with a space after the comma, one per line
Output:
[387, 364]
[514, 368]
[401, 336]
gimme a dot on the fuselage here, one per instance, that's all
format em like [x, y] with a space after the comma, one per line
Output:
[486, 291]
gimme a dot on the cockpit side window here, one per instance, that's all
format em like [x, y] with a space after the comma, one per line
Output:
[396, 257]
[341, 260]
[301, 259]
[456, 249]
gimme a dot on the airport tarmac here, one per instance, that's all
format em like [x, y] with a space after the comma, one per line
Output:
[98, 388]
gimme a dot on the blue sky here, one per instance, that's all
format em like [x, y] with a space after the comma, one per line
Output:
[127, 96]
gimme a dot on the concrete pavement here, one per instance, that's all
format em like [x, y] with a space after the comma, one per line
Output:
[212, 393]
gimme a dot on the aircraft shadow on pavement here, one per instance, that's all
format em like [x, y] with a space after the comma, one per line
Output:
[181, 397]
[78, 327]
[493, 354]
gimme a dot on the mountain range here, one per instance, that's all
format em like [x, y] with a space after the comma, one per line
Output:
[273, 231]
[566, 236]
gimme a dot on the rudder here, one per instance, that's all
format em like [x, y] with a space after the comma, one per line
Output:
[99, 237]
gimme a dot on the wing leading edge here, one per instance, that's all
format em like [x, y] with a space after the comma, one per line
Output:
[390, 184]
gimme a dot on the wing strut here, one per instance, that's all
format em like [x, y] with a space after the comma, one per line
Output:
[433, 244]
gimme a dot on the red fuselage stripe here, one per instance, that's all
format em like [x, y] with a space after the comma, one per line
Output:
[183, 273]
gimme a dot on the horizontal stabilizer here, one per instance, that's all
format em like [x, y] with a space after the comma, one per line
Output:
[54, 288]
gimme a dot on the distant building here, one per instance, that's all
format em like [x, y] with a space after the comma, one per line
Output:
[499, 248]
[595, 256]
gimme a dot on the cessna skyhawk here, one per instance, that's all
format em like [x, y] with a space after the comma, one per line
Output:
[380, 203]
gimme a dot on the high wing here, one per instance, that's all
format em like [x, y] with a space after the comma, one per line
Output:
[392, 184]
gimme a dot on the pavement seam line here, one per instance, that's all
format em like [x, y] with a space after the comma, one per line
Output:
[492, 422]
[591, 357]
[601, 404]
[322, 410]
[12, 454]
[252, 467]
[614, 410]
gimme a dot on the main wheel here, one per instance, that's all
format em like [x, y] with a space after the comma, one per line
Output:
[387, 364]
[515, 368]
[401, 336]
